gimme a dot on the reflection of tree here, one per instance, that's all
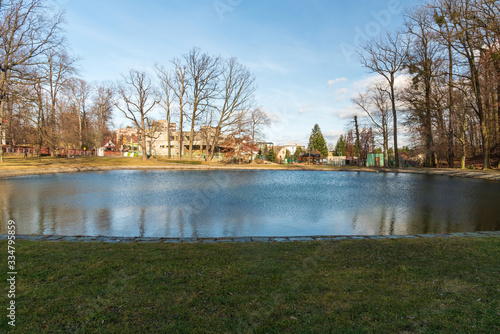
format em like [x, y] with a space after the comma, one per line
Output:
[41, 220]
[142, 222]
[103, 221]
[53, 219]
[393, 222]
[382, 220]
[181, 221]
[168, 221]
[5, 206]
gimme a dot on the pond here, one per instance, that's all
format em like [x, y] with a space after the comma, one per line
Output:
[247, 203]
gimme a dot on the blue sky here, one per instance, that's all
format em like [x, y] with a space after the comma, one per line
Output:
[301, 52]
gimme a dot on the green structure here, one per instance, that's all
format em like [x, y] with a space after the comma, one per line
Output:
[375, 160]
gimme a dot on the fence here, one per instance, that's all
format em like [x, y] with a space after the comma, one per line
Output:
[47, 151]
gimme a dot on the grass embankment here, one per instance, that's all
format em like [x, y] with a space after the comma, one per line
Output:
[388, 286]
[188, 162]
[50, 162]
[18, 163]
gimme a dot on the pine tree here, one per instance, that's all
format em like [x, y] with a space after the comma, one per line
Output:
[271, 155]
[317, 141]
[340, 147]
[296, 155]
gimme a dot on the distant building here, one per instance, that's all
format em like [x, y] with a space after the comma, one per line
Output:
[337, 161]
[292, 147]
[127, 132]
[161, 126]
[157, 142]
[375, 160]
[281, 154]
[265, 147]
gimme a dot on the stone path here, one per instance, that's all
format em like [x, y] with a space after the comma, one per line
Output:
[242, 239]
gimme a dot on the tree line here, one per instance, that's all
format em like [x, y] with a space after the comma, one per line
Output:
[44, 102]
[207, 94]
[440, 80]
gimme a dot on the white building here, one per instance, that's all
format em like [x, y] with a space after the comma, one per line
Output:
[157, 143]
[291, 146]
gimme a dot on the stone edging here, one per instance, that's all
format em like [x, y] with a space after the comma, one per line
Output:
[243, 239]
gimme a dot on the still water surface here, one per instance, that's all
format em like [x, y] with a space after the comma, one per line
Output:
[247, 203]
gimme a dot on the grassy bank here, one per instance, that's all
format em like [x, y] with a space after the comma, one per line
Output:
[387, 286]
[50, 162]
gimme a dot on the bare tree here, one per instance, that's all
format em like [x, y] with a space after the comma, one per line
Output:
[236, 95]
[179, 86]
[101, 111]
[79, 94]
[203, 71]
[387, 58]
[28, 29]
[468, 43]
[375, 102]
[258, 120]
[167, 99]
[424, 63]
[58, 70]
[136, 98]
[446, 31]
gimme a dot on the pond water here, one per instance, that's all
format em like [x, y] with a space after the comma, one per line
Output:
[247, 203]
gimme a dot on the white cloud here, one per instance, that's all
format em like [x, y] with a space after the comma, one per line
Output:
[334, 81]
[274, 117]
[340, 94]
[363, 84]
[332, 136]
[348, 113]
[304, 109]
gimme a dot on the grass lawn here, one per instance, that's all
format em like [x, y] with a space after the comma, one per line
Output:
[19, 163]
[50, 162]
[385, 286]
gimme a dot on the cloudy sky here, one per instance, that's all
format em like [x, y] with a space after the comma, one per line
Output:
[302, 52]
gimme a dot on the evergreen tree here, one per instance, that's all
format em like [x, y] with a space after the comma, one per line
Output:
[317, 141]
[271, 155]
[340, 147]
[296, 155]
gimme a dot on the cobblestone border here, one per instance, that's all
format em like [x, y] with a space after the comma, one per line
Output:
[244, 239]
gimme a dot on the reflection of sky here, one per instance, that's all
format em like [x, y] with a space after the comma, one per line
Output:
[247, 203]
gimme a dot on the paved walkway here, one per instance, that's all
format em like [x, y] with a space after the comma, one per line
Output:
[243, 239]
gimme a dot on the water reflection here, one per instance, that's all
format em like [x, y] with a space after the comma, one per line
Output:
[253, 203]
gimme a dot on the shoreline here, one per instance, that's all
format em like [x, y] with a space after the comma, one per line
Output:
[216, 240]
[492, 175]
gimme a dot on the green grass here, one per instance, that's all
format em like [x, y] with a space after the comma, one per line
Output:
[15, 163]
[387, 286]
[189, 162]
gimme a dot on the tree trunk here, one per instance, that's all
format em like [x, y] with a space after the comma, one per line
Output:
[169, 150]
[191, 139]
[451, 107]
[143, 140]
[357, 147]
[395, 121]
[486, 145]
[180, 134]
[463, 140]
[2, 106]
[429, 140]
